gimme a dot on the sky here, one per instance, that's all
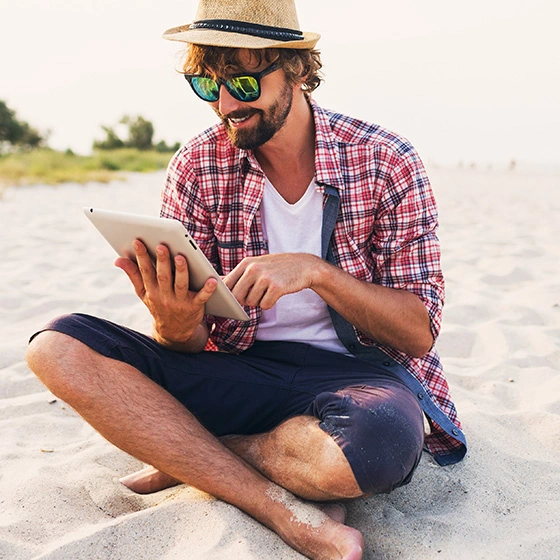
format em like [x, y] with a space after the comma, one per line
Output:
[475, 82]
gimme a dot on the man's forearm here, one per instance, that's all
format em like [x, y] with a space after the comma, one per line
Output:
[396, 318]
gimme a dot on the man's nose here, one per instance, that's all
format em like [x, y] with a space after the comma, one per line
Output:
[227, 103]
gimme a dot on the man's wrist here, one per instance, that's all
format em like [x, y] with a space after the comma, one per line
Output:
[195, 342]
[319, 273]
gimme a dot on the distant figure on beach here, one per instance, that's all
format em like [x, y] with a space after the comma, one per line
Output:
[324, 228]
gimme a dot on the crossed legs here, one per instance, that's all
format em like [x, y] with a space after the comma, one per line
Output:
[296, 455]
[253, 473]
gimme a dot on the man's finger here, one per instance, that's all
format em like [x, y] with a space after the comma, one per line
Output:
[145, 265]
[268, 299]
[233, 277]
[261, 296]
[206, 291]
[251, 285]
[164, 272]
[131, 270]
[181, 277]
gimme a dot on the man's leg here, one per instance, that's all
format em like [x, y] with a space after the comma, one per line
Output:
[377, 422]
[297, 455]
[141, 418]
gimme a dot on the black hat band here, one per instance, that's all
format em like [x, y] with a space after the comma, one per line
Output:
[254, 29]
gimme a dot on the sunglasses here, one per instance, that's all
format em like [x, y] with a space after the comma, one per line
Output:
[243, 87]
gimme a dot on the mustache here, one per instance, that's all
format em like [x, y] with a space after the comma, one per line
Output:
[239, 114]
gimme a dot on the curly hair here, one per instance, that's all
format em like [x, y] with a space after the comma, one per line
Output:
[298, 64]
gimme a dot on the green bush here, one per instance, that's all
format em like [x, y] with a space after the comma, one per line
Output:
[48, 166]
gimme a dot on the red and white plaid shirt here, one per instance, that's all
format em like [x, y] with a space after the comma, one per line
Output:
[385, 233]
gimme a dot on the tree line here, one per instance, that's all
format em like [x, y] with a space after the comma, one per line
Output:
[17, 135]
[140, 136]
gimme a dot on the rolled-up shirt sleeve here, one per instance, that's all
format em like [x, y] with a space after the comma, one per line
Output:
[405, 246]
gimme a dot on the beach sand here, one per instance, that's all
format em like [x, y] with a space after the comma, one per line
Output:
[59, 492]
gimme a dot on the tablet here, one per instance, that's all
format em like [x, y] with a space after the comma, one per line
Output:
[121, 229]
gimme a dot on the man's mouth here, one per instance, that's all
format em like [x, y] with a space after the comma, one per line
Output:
[239, 119]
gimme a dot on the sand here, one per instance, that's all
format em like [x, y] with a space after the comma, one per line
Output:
[59, 492]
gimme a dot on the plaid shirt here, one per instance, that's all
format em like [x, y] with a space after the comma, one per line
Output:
[385, 232]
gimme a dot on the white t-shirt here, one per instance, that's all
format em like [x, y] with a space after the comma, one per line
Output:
[296, 228]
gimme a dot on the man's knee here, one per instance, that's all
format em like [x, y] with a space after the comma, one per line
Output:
[54, 358]
[46, 348]
[326, 469]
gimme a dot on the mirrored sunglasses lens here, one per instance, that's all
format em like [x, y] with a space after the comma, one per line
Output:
[206, 88]
[244, 88]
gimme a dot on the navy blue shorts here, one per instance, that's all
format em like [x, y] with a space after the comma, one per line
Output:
[367, 410]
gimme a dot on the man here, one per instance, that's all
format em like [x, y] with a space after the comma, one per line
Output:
[324, 229]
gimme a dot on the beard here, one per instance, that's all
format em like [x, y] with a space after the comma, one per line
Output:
[269, 122]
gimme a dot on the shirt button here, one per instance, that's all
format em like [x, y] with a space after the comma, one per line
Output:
[420, 396]
[455, 432]
[352, 346]
[386, 363]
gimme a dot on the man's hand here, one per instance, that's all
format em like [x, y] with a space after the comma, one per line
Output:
[176, 310]
[396, 318]
[261, 281]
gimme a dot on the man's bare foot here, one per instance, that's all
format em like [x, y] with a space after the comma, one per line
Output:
[316, 530]
[328, 540]
[148, 480]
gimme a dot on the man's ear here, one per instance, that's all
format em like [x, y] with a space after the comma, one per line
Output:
[301, 80]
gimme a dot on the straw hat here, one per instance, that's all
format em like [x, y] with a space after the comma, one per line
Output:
[251, 24]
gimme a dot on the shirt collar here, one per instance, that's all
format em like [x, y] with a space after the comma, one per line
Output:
[327, 157]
